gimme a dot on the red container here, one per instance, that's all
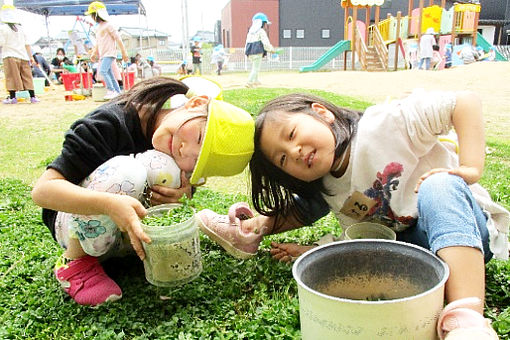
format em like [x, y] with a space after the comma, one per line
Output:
[72, 80]
[128, 80]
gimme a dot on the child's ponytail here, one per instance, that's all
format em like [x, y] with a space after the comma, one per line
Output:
[150, 95]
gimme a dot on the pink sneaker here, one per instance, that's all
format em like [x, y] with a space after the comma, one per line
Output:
[86, 282]
[226, 230]
[34, 100]
[459, 322]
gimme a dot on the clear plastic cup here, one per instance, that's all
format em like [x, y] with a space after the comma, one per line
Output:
[173, 257]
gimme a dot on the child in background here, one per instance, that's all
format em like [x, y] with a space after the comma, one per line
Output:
[468, 54]
[218, 58]
[412, 56]
[257, 46]
[58, 64]
[386, 165]
[436, 58]
[41, 68]
[107, 39]
[448, 56]
[155, 68]
[16, 54]
[426, 42]
[197, 56]
[183, 69]
[492, 54]
[91, 193]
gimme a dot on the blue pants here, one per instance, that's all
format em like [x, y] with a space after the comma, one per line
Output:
[448, 216]
[427, 63]
[106, 71]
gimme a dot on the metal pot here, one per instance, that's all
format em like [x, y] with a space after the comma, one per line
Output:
[369, 289]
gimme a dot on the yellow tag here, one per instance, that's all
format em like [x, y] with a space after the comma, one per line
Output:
[357, 206]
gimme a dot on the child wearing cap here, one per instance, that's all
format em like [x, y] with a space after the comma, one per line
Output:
[257, 46]
[93, 204]
[107, 40]
[16, 55]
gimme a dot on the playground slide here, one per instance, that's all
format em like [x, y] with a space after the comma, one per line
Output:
[339, 47]
[480, 41]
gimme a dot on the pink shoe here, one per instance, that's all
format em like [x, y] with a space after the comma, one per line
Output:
[86, 282]
[226, 230]
[34, 100]
[459, 322]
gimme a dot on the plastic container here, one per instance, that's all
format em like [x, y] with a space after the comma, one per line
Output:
[39, 85]
[369, 289]
[72, 80]
[368, 230]
[173, 257]
[128, 80]
[22, 95]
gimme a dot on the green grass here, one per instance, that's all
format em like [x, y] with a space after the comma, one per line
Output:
[232, 299]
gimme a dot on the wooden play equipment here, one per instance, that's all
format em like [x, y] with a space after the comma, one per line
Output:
[370, 42]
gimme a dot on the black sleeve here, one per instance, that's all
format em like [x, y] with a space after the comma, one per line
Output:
[105, 133]
[311, 209]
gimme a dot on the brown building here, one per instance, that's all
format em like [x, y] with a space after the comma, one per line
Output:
[236, 20]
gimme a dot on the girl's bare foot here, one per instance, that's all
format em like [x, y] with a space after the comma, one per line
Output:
[287, 252]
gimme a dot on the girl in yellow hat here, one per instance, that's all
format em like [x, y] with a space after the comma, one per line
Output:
[107, 40]
[92, 193]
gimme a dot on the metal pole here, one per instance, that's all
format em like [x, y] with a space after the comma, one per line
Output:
[185, 32]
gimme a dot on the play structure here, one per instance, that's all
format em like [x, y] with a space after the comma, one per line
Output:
[369, 42]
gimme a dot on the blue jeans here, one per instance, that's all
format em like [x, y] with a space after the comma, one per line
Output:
[448, 216]
[427, 63]
[106, 71]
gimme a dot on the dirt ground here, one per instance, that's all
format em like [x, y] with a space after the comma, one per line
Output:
[490, 80]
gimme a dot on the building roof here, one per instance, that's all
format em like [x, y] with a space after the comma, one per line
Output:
[143, 32]
[205, 36]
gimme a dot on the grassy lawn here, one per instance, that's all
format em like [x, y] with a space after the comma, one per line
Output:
[232, 299]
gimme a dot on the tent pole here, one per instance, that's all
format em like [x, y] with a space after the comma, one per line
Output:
[48, 34]
[185, 33]
[140, 34]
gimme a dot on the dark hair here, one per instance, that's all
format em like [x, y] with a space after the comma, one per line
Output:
[133, 60]
[435, 47]
[60, 49]
[96, 17]
[150, 95]
[273, 190]
[13, 27]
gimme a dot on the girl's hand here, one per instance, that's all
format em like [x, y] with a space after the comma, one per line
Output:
[161, 194]
[126, 212]
[470, 174]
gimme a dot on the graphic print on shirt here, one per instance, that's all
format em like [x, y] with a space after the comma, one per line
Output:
[89, 229]
[381, 191]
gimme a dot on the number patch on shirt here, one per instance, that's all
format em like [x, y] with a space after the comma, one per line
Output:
[357, 206]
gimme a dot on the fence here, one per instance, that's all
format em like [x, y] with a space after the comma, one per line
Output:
[289, 59]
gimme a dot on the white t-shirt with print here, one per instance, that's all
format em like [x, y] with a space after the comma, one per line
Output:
[396, 143]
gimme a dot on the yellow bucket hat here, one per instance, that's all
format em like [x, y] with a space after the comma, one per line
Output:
[99, 8]
[228, 142]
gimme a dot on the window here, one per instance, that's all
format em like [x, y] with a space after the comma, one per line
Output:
[325, 34]
[287, 34]
[300, 34]
[162, 42]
